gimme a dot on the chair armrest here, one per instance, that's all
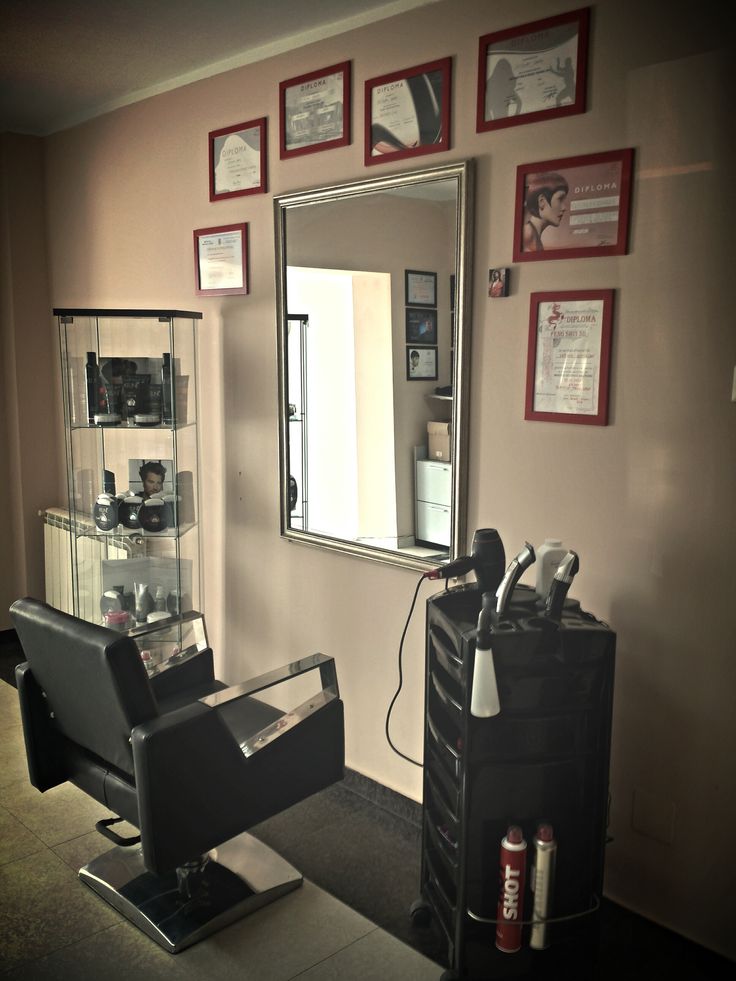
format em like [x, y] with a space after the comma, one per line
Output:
[328, 677]
[288, 720]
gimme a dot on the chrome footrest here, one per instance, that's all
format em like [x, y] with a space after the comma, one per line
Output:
[241, 876]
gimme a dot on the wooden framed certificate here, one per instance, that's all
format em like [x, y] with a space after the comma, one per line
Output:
[238, 160]
[314, 111]
[407, 113]
[220, 260]
[569, 357]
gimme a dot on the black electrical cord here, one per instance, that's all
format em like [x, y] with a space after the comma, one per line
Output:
[401, 678]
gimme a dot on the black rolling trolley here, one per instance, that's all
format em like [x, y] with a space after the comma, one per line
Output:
[545, 757]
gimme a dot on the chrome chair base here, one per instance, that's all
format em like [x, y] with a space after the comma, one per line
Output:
[182, 908]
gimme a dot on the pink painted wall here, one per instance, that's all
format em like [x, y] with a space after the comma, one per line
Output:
[647, 501]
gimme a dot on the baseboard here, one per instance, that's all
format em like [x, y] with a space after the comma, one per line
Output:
[383, 797]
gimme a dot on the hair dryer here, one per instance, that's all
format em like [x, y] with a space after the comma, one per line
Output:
[487, 560]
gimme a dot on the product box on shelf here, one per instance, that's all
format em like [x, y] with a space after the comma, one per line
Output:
[438, 439]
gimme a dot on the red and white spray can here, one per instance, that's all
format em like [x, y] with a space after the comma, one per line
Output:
[510, 913]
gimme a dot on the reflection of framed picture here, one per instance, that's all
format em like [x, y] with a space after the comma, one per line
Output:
[314, 111]
[220, 260]
[533, 72]
[238, 160]
[421, 326]
[498, 282]
[420, 288]
[569, 357]
[421, 363]
[407, 113]
[573, 207]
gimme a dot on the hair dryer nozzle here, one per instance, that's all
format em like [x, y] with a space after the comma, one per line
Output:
[459, 567]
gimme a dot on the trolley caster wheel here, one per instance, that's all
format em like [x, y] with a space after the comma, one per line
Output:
[420, 913]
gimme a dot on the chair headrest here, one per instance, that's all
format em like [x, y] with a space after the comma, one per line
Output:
[93, 679]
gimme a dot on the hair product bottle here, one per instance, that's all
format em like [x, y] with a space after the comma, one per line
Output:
[549, 557]
[542, 882]
[167, 415]
[511, 894]
[92, 376]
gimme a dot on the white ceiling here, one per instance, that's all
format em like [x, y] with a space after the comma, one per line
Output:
[65, 61]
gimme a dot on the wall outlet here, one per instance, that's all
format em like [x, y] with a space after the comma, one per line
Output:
[653, 816]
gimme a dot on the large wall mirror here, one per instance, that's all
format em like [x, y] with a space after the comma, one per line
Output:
[373, 287]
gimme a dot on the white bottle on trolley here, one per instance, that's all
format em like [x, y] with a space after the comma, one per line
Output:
[549, 557]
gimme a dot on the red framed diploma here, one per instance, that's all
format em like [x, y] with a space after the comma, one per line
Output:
[569, 357]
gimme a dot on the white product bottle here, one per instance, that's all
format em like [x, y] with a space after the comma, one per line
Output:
[549, 557]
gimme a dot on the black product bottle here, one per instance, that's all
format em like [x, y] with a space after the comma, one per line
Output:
[167, 415]
[93, 376]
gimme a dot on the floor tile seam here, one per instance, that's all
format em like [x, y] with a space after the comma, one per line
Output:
[26, 963]
[334, 953]
[41, 843]
[44, 848]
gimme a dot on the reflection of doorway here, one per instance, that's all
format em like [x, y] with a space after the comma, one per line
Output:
[349, 412]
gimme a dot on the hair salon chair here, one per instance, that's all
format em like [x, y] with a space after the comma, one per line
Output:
[189, 762]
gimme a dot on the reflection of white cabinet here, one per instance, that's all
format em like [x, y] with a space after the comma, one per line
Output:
[433, 501]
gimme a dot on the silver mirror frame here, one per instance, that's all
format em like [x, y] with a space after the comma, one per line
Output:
[463, 173]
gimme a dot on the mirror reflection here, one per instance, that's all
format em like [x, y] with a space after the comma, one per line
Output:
[372, 288]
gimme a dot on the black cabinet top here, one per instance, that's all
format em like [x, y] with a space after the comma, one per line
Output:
[95, 312]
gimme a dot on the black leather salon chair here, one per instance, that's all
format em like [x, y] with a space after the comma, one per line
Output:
[189, 762]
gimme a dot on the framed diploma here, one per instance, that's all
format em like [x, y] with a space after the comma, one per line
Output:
[238, 160]
[407, 113]
[220, 260]
[421, 363]
[533, 72]
[573, 207]
[569, 357]
[314, 111]
[420, 288]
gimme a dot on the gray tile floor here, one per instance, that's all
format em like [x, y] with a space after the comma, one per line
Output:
[52, 926]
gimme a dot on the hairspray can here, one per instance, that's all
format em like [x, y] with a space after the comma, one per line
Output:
[511, 893]
[542, 882]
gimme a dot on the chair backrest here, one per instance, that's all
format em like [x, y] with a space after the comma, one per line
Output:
[93, 678]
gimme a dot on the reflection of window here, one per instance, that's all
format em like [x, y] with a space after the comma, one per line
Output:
[349, 437]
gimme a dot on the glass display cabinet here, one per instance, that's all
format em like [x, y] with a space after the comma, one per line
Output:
[130, 412]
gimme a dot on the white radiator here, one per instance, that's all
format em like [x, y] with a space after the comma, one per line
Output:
[58, 565]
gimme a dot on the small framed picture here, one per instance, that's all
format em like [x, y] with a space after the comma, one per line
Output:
[420, 288]
[421, 363]
[533, 72]
[407, 113]
[238, 160]
[149, 477]
[498, 282]
[573, 207]
[569, 357]
[421, 326]
[221, 260]
[314, 111]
